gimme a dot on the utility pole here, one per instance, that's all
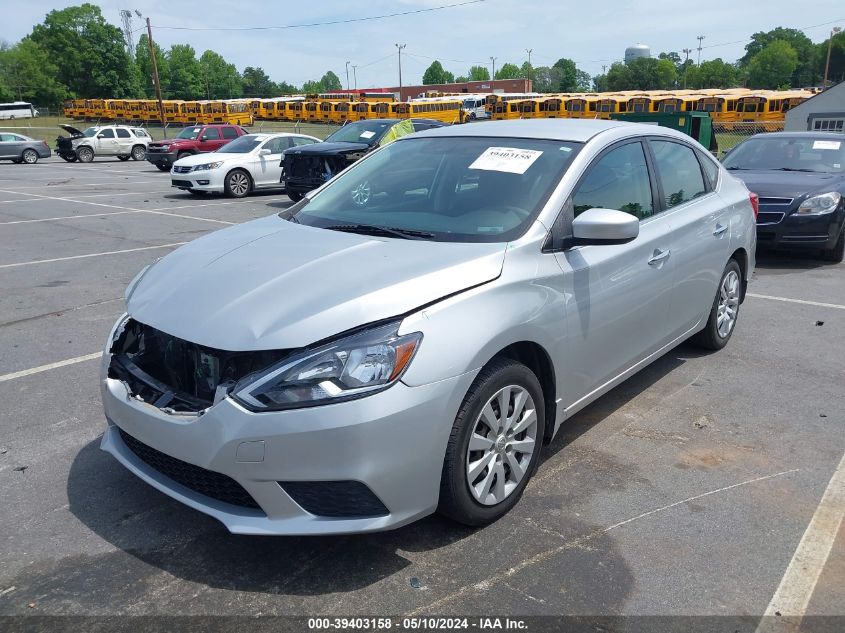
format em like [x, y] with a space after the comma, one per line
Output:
[699, 38]
[355, 75]
[155, 76]
[347, 76]
[493, 76]
[528, 50]
[400, 47]
[687, 51]
[833, 32]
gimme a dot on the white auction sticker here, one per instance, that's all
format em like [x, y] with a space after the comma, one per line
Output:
[508, 159]
[367, 134]
[826, 144]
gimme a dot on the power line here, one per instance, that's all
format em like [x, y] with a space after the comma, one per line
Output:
[327, 23]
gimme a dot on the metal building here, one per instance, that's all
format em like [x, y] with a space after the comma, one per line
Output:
[822, 112]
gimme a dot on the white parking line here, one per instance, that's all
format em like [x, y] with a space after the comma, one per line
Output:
[70, 217]
[20, 199]
[114, 194]
[96, 204]
[796, 588]
[56, 365]
[187, 217]
[801, 301]
[63, 259]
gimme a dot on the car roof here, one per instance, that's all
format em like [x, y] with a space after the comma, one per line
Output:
[835, 136]
[576, 130]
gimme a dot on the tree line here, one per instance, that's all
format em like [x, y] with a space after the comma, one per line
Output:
[777, 59]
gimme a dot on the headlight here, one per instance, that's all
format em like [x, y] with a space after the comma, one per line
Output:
[820, 204]
[165, 148]
[205, 166]
[350, 367]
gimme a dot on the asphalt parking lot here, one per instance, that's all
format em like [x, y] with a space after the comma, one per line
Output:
[687, 490]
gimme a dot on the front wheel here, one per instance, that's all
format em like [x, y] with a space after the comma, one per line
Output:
[85, 154]
[837, 253]
[123, 158]
[237, 184]
[296, 196]
[494, 446]
[163, 167]
[139, 153]
[724, 312]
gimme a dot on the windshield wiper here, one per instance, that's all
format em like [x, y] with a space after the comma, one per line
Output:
[812, 171]
[736, 168]
[368, 229]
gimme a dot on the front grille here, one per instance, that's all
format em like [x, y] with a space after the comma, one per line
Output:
[177, 375]
[769, 217]
[181, 169]
[182, 183]
[206, 482]
[775, 201]
[338, 499]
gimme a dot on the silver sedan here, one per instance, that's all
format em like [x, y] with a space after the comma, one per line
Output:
[22, 149]
[409, 336]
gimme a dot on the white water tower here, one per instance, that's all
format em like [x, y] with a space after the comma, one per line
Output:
[636, 51]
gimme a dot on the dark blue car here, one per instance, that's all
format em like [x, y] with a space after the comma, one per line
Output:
[800, 180]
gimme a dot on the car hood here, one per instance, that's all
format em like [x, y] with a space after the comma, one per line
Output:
[74, 132]
[174, 141]
[273, 284]
[320, 149]
[787, 184]
[207, 157]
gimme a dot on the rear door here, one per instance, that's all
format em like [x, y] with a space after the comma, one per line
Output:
[701, 235]
[618, 294]
[210, 139]
[11, 145]
[106, 142]
[229, 133]
[124, 140]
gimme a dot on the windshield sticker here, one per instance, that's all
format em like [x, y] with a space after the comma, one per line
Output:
[368, 134]
[507, 159]
[826, 144]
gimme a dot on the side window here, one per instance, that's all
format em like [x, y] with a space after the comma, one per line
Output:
[711, 171]
[678, 171]
[109, 133]
[121, 133]
[230, 132]
[302, 140]
[619, 180]
[276, 145]
[211, 134]
[140, 133]
[5, 138]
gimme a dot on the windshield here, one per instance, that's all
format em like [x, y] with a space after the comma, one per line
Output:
[368, 132]
[189, 132]
[790, 153]
[89, 132]
[242, 145]
[446, 189]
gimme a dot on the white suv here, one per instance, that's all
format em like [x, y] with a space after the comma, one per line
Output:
[111, 140]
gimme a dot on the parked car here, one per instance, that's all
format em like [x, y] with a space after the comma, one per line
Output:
[195, 139]
[800, 178]
[406, 338]
[306, 168]
[250, 162]
[22, 149]
[122, 141]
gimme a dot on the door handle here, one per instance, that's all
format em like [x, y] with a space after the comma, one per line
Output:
[720, 228]
[658, 256]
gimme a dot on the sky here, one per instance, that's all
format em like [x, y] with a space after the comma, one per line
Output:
[591, 33]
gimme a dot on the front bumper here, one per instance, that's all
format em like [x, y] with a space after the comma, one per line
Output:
[161, 158]
[210, 180]
[393, 442]
[796, 231]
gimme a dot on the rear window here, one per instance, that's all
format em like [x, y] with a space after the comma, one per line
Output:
[230, 132]
[121, 133]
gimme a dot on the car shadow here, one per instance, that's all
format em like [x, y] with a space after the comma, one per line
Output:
[774, 261]
[160, 534]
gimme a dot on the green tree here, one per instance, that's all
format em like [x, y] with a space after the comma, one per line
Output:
[435, 74]
[526, 70]
[221, 80]
[89, 53]
[773, 67]
[568, 75]
[805, 72]
[256, 83]
[330, 81]
[583, 81]
[27, 74]
[145, 67]
[509, 71]
[284, 88]
[186, 80]
[714, 73]
[546, 79]
[836, 71]
[618, 77]
[600, 83]
[312, 87]
[461, 79]
[479, 73]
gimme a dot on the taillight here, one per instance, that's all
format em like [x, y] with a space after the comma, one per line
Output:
[755, 203]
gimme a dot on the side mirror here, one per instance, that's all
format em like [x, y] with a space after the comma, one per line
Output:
[604, 226]
[264, 152]
[101, 136]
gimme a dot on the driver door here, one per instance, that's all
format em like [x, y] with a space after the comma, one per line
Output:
[107, 142]
[267, 169]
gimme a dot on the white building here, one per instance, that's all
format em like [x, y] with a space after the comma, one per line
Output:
[822, 112]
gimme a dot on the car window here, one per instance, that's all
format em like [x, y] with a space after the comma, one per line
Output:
[106, 134]
[121, 133]
[140, 133]
[303, 140]
[711, 170]
[211, 134]
[618, 180]
[678, 171]
[189, 133]
[276, 145]
[230, 132]
[8, 137]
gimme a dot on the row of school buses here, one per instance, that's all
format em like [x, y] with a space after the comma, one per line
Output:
[737, 105]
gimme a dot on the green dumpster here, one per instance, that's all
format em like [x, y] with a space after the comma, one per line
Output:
[698, 125]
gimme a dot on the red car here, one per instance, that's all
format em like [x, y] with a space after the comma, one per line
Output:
[195, 139]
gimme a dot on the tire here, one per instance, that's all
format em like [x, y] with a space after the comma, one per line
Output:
[715, 336]
[85, 154]
[71, 158]
[163, 166]
[837, 253]
[238, 184]
[29, 156]
[182, 155]
[501, 478]
[139, 152]
[296, 196]
[17, 161]
[124, 158]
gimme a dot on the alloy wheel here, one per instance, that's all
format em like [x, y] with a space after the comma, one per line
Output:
[30, 157]
[239, 183]
[728, 304]
[501, 445]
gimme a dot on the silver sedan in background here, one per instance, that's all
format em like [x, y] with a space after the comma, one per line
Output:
[22, 149]
[407, 337]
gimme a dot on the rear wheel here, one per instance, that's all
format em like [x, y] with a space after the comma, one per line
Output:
[139, 153]
[237, 184]
[29, 156]
[494, 446]
[837, 253]
[724, 312]
[85, 154]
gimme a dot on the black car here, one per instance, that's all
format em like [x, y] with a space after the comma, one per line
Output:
[800, 180]
[309, 166]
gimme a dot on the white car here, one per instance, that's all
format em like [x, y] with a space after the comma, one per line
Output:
[122, 141]
[253, 161]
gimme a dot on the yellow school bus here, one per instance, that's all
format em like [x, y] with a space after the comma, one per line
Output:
[341, 111]
[173, 111]
[295, 111]
[525, 108]
[359, 111]
[551, 108]
[445, 110]
[577, 107]
[721, 107]
[190, 112]
[640, 103]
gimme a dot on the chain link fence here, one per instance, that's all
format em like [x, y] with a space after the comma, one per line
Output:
[732, 133]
